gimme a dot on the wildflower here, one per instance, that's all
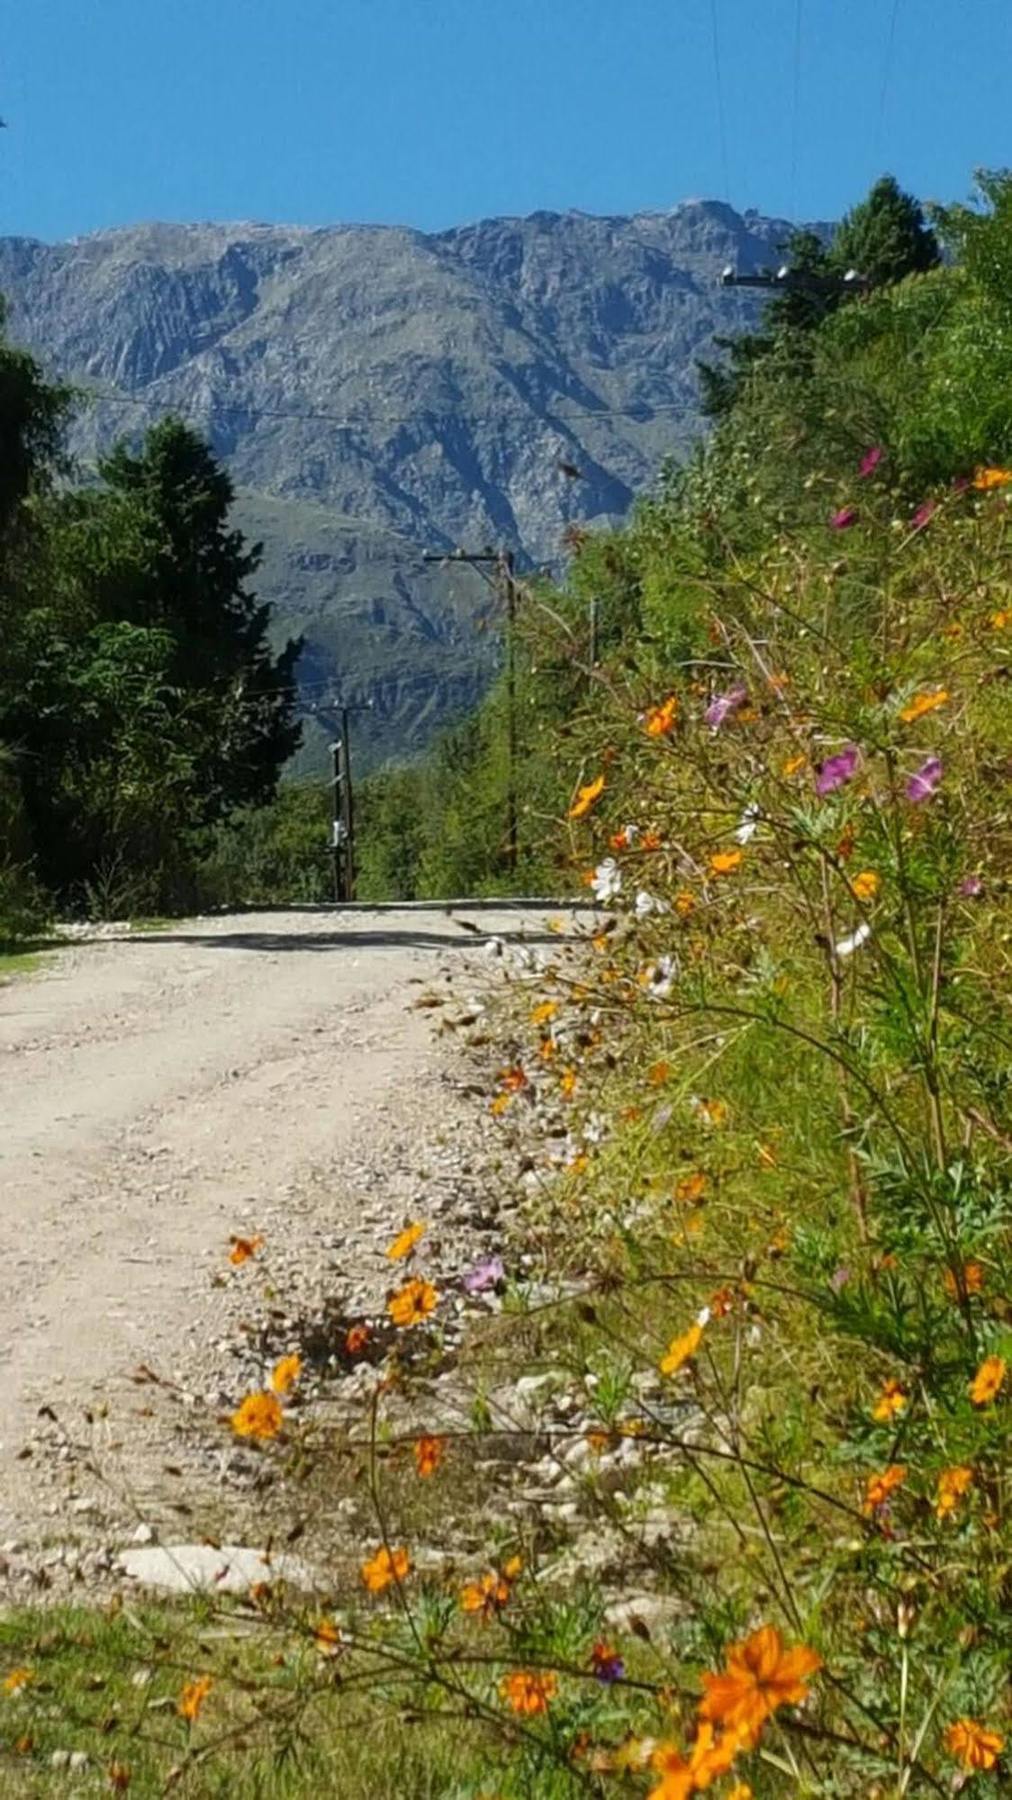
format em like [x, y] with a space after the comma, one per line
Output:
[952, 1485]
[760, 1675]
[848, 945]
[691, 1188]
[16, 1680]
[285, 1374]
[793, 765]
[891, 1401]
[661, 719]
[922, 784]
[486, 1274]
[724, 862]
[405, 1241]
[327, 1637]
[486, 1596]
[724, 705]
[870, 461]
[988, 1380]
[843, 519]
[866, 885]
[243, 1248]
[712, 1113]
[645, 904]
[606, 881]
[356, 1338]
[428, 1453]
[607, 1664]
[681, 1349]
[973, 1745]
[546, 1010]
[973, 1280]
[651, 840]
[999, 620]
[708, 1757]
[721, 1303]
[658, 1073]
[986, 479]
[259, 1416]
[685, 904]
[567, 1083]
[837, 769]
[971, 887]
[660, 977]
[498, 1105]
[922, 704]
[529, 1690]
[385, 1567]
[192, 1698]
[624, 839]
[512, 1081]
[749, 824]
[740, 1791]
[586, 797]
[879, 1488]
[924, 515]
[412, 1303]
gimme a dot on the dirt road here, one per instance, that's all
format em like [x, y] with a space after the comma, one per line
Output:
[160, 1091]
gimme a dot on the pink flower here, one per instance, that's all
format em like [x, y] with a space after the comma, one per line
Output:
[718, 709]
[837, 769]
[846, 516]
[924, 780]
[971, 886]
[485, 1275]
[870, 460]
[923, 515]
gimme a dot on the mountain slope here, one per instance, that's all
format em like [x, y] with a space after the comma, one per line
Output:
[377, 390]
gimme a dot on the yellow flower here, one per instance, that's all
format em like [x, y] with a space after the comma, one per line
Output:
[986, 479]
[952, 1485]
[428, 1454]
[724, 862]
[487, 1596]
[793, 765]
[987, 1382]
[712, 1113]
[259, 1416]
[567, 1082]
[923, 703]
[412, 1303]
[499, 1105]
[541, 1014]
[16, 1680]
[193, 1696]
[327, 1637]
[586, 797]
[685, 903]
[405, 1241]
[243, 1248]
[866, 885]
[660, 719]
[680, 1349]
[880, 1487]
[285, 1374]
[691, 1188]
[972, 1744]
[999, 620]
[529, 1690]
[891, 1401]
[386, 1566]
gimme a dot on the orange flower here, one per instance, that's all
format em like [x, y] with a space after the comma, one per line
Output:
[428, 1454]
[973, 1280]
[586, 797]
[512, 1081]
[923, 703]
[660, 719]
[486, 1596]
[529, 1690]
[243, 1248]
[986, 479]
[680, 1349]
[327, 1637]
[259, 1416]
[987, 1382]
[285, 1374]
[892, 1400]
[546, 1010]
[356, 1338]
[999, 620]
[16, 1680]
[879, 1488]
[405, 1241]
[567, 1083]
[952, 1485]
[691, 1188]
[712, 1112]
[724, 862]
[412, 1303]
[658, 1073]
[793, 765]
[651, 840]
[383, 1568]
[192, 1698]
[972, 1744]
[499, 1105]
[760, 1675]
[685, 903]
[866, 885]
[721, 1303]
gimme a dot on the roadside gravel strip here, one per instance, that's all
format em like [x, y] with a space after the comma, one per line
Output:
[273, 1072]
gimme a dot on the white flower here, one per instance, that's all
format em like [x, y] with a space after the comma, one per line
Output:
[662, 977]
[630, 833]
[594, 1128]
[749, 824]
[848, 945]
[607, 882]
[649, 903]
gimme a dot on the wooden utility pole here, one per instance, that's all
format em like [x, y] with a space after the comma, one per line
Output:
[342, 821]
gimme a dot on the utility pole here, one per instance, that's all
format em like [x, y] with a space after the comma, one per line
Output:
[505, 580]
[342, 823]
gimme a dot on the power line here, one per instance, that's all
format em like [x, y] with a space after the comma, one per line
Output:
[719, 84]
[641, 411]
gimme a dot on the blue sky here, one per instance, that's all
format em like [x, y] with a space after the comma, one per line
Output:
[432, 112]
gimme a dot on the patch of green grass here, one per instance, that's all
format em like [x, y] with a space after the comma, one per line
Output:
[22, 959]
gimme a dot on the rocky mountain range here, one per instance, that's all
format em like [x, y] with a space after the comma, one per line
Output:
[378, 391]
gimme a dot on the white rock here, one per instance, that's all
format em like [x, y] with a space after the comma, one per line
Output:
[192, 1568]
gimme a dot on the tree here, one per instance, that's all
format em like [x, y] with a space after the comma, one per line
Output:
[885, 238]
